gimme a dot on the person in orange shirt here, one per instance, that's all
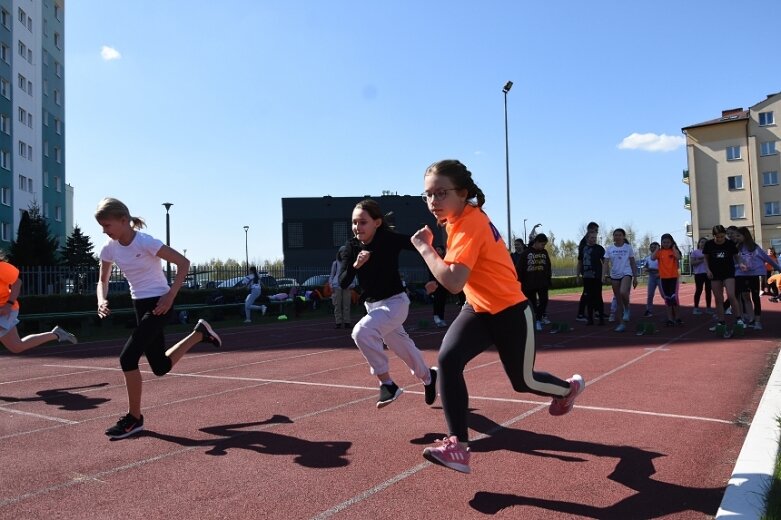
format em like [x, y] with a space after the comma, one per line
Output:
[668, 256]
[496, 311]
[10, 285]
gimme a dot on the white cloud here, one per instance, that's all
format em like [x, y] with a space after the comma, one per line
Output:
[109, 53]
[652, 142]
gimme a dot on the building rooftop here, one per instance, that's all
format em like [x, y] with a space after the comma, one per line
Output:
[727, 116]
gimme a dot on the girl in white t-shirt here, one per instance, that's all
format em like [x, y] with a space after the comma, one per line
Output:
[138, 255]
[622, 273]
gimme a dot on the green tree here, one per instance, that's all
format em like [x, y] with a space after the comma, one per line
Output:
[568, 249]
[78, 251]
[34, 244]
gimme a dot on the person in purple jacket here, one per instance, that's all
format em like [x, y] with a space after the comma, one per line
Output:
[748, 276]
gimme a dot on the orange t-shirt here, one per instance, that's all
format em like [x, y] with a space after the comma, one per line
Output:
[776, 279]
[8, 275]
[668, 264]
[474, 242]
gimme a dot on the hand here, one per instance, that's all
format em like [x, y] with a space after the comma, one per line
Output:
[422, 238]
[361, 259]
[634, 282]
[743, 267]
[431, 286]
[103, 310]
[710, 275]
[163, 304]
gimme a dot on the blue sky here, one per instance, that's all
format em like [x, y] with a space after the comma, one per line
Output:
[225, 108]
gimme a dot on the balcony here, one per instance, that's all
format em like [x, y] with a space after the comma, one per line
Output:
[686, 176]
[687, 203]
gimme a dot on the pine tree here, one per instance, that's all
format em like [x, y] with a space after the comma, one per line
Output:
[78, 251]
[34, 244]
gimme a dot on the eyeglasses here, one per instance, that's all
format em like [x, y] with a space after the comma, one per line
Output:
[437, 195]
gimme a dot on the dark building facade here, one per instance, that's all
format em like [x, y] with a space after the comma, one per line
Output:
[313, 229]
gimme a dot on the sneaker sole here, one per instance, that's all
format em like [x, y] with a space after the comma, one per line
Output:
[432, 457]
[383, 404]
[431, 401]
[127, 434]
[211, 332]
[581, 387]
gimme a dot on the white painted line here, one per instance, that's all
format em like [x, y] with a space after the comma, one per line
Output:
[39, 416]
[89, 369]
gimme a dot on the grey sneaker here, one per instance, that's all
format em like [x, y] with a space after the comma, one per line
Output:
[64, 335]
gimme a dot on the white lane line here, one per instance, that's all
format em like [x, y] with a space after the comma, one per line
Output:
[89, 369]
[37, 415]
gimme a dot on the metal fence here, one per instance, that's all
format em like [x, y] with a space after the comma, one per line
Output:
[65, 280]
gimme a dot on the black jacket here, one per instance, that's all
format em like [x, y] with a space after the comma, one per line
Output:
[379, 277]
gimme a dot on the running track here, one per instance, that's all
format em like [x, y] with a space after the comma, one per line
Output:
[282, 424]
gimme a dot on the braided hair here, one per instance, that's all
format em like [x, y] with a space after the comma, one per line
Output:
[461, 179]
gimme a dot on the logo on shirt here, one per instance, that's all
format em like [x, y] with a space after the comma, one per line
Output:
[494, 232]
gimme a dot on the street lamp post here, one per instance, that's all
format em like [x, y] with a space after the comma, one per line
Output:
[168, 239]
[246, 248]
[506, 89]
[525, 237]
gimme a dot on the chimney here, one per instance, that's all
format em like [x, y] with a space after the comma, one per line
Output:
[731, 112]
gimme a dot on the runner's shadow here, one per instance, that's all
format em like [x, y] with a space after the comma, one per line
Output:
[63, 398]
[312, 454]
[653, 498]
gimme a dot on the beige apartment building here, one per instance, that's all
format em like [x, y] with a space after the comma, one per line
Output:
[733, 172]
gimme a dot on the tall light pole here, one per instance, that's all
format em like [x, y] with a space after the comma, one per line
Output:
[246, 248]
[168, 239]
[525, 237]
[506, 89]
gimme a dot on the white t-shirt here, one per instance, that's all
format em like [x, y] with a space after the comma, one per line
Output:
[619, 260]
[140, 265]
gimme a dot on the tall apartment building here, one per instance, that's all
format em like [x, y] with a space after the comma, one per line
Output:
[733, 165]
[32, 114]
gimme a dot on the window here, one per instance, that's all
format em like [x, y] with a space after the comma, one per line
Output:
[766, 118]
[30, 87]
[22, 16]
[22, 115]
[46, 148]
[772, 208]
[58, 40]
[30, 185]
[22, 182]
[5, 159]
[341, 232]
[45, 27]
[45, 210]
[5, 231]
[58, 184]
[4, 88]
[733, 153]
[5, 53]
[22, 49]
[767, 148]
[57, 97]
[30, 55]
[5, 18]
[58, 126]
[45, 118]
[58, 213]
[45, 179]
[735, 182]
[58, 154]
[737, 212]
[295, 234]
[30, 120]
[5, 196]
[21, 82]
[5, 124]
[769, 178]
[23, 149]
[29, 24]
[45, 58]
[58, 12]
[57, 69]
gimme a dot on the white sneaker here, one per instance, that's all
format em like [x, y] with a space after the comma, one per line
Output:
[728, 311]
[621, 327]
[757, 325]
[538, 325]
[247, 321]
[263, 310]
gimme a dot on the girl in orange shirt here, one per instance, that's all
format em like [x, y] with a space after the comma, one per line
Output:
[668, 256]
[496, 311]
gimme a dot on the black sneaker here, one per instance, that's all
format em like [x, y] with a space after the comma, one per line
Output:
[209, 336]
[430, 390]
[125, 427]
[338, 325]
[388, 394]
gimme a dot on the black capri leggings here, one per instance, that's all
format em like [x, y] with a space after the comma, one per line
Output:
[512, 331]
[148, 338]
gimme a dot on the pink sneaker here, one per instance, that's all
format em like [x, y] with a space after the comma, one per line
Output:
[450, 454]
[563, 405]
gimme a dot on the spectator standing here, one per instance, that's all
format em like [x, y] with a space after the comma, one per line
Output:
[590, 267]
[701, 281]
[652, 269]
[747, 278]
[591, 227]
[771, 252]
[535, 277]
[622, 274]
[668, 256]
[342, 298]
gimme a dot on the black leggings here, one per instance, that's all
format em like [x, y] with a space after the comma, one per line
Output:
[701, 282]
[148, 338]
[439, 297]
[592, 290]
[512, 331]
[539, 301]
